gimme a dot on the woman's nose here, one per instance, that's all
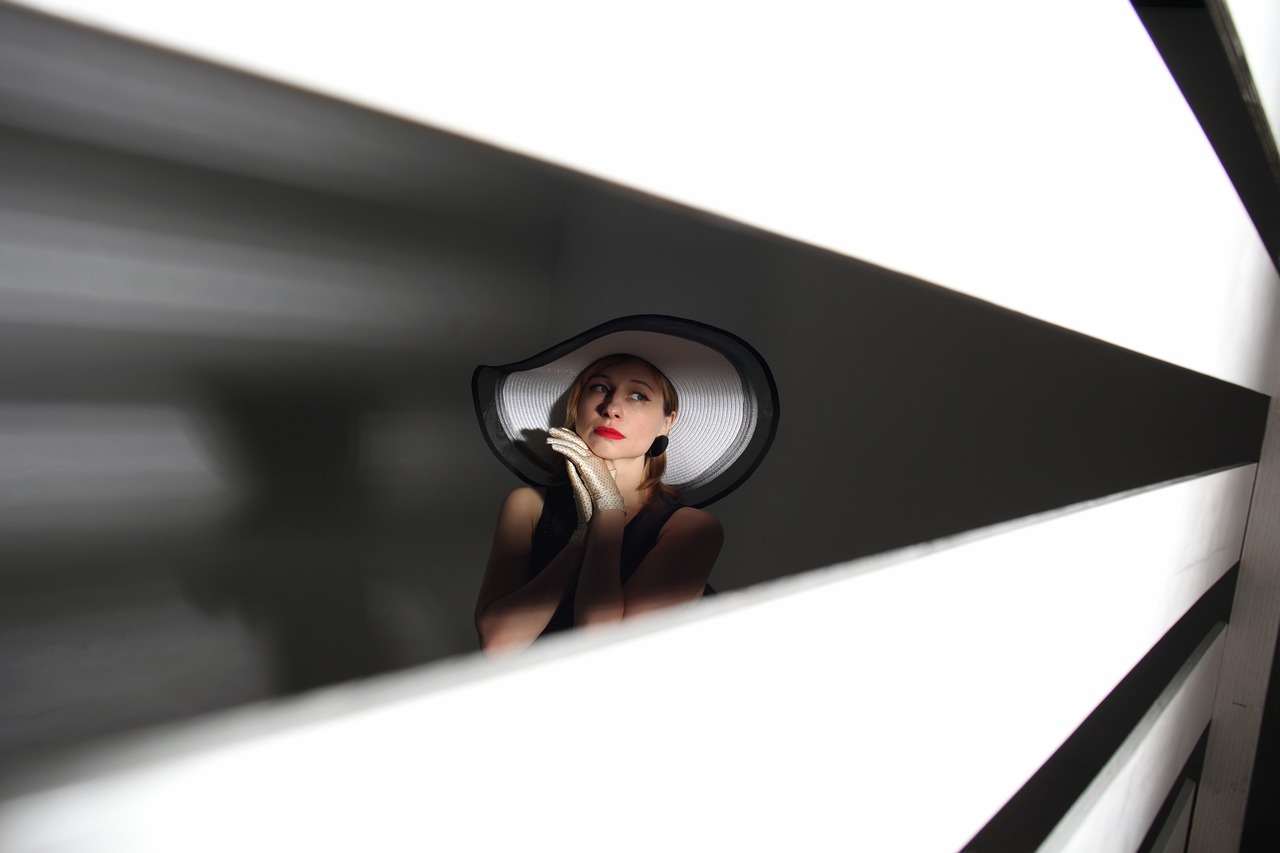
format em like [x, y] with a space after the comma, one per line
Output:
[609, 407]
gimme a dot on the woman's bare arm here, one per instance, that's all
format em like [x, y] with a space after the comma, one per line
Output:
[675, 572]
[599, 600]
[512, 610]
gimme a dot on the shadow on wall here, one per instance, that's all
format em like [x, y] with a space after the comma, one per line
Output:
[292, 561]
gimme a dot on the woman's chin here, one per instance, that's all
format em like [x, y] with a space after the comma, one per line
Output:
[609, 449]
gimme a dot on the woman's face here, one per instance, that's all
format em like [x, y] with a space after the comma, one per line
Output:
[620, 411]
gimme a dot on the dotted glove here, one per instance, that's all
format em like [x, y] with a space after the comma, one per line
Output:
[592, 471]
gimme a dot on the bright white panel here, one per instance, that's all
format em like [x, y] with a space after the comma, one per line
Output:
[814, 713]
[1115, 812]
[1034, 155]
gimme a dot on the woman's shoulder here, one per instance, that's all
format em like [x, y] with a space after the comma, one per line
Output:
[693, 521]
[525, 500]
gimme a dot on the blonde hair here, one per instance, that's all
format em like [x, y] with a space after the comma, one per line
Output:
[654, 466]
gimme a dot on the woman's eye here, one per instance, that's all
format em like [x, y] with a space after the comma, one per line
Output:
[599, 389]
[639, 396]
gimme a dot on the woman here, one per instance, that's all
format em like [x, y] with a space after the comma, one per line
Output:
[598, 536]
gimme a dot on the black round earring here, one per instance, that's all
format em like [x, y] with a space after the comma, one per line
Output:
[658, 447]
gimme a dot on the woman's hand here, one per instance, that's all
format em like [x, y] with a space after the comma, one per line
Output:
[587, 472]
[598, 598]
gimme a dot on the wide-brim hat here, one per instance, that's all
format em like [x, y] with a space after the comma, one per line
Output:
[728, 401]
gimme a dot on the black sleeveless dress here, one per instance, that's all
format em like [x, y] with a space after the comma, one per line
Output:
[557, 523]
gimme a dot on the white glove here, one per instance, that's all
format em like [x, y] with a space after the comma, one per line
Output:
[587, 469]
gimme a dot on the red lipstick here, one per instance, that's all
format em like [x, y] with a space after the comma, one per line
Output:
[609, 432]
